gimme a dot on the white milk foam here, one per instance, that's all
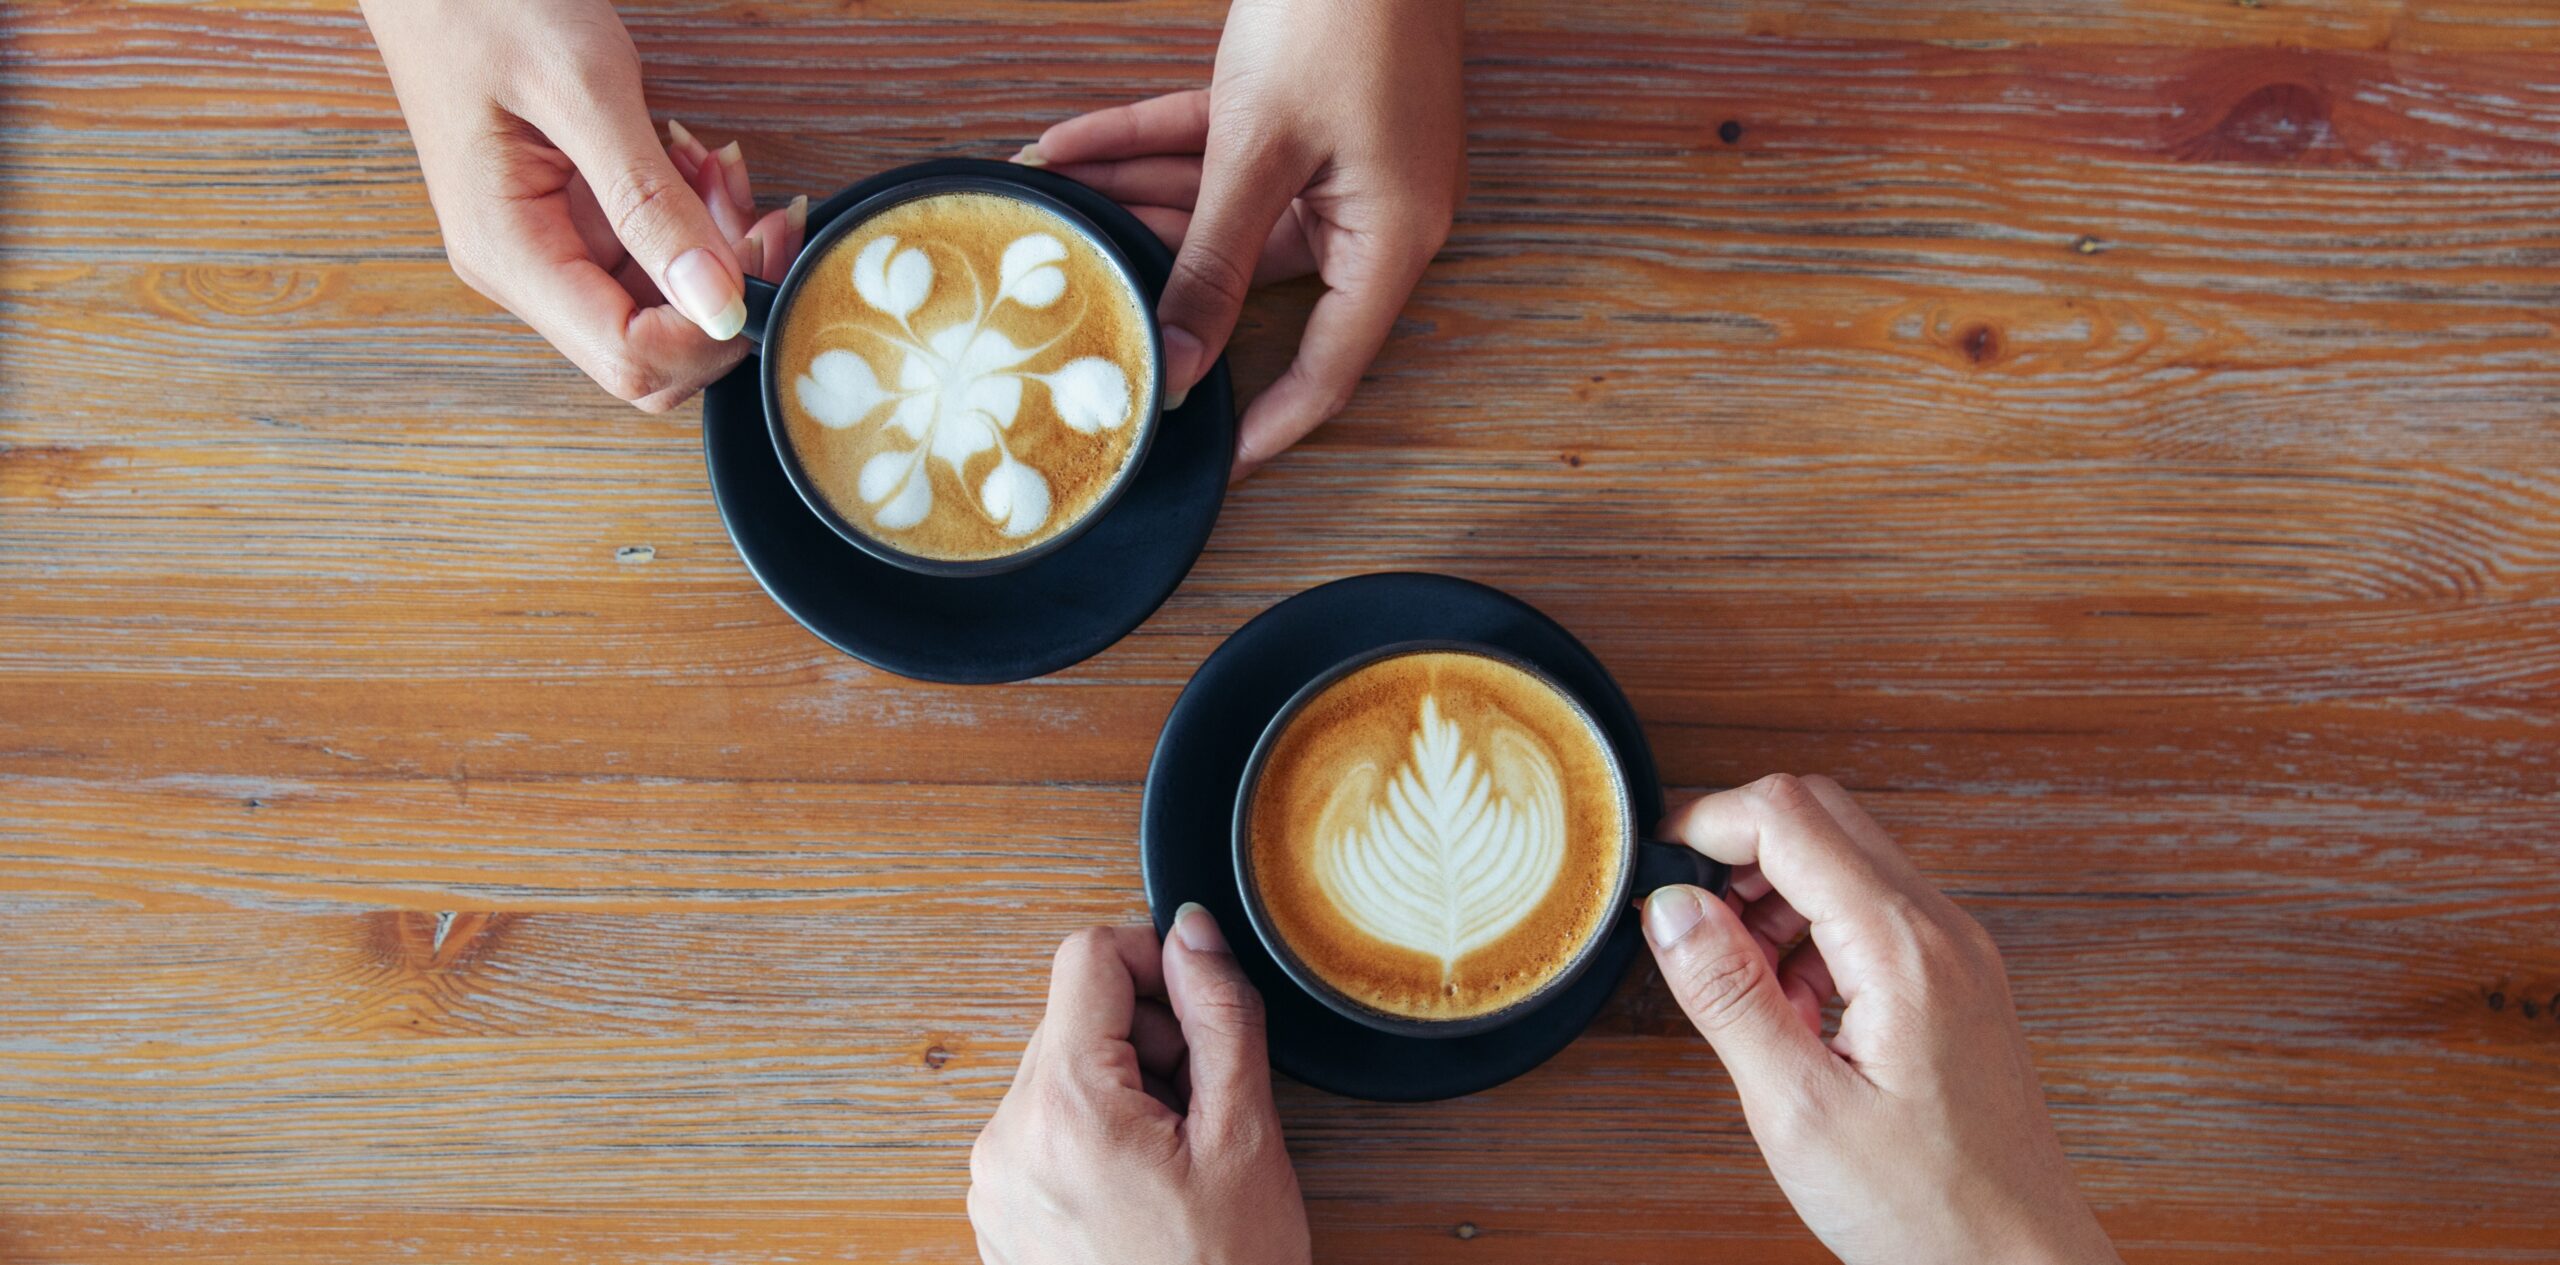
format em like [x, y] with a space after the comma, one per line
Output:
[1450, 852]
[954, 347]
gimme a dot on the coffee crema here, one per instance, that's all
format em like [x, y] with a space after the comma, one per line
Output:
[1437, 835]
[969, 375]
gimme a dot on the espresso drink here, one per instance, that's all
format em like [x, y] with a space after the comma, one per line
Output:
[1437, 835]
[969, 375]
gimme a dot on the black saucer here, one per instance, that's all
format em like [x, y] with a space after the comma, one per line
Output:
[1184, 837]
[1058, 611]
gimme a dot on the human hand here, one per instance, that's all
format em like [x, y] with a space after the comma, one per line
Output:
[1140, 1126]
[557, 202]
[1332, 139]
[1918, 1134]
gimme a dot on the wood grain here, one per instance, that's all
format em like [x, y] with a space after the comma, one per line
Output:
[2120, 440]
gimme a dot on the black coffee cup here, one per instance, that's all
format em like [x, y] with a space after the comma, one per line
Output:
[769, 305]
[1644, 864]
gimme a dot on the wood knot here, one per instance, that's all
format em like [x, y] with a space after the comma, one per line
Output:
[1729, 131]
[2273, 123]
[1464, 1230]
[418, 942]
[200, 292]
[1980, 342]
[1572, 459]
[936, 1058]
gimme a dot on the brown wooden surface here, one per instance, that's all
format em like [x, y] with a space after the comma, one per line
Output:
[2118, 438]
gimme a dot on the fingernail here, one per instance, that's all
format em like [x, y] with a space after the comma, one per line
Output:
[733, 165]
[1181, 365]
[680, 138]
[1199, 931]
[797, 214]
[1029, 156]
[1669, 914]
[701, 289]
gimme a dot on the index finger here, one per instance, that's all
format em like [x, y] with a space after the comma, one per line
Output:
[653, 356]
[1095, 983]
[1808, 856]
[1175, 123]
[532, 260]
[1345, 331]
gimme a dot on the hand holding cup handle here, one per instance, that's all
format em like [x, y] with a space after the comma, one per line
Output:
[1929, 1059]
[1662, 863]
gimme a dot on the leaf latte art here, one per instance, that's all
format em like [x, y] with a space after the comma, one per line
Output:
[1454, 852]
[1435, 835]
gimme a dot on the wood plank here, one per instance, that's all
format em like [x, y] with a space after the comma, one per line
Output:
[651, 844]
[1724, 1220]
[286, 1124]
[2477, 989]
[2207, 354]
[1886, 712]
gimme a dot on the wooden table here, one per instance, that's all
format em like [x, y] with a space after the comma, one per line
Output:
[2120, 439]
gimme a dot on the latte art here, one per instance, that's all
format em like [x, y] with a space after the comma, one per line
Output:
[1454, 853]
[1436, 835]
[969, 375]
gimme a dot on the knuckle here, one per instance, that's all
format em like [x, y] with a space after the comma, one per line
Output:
[1972, 934]
[463, 253]
[1244, 1133]
[1087, 945]
[629, 380]
[1055, 1103]
[1716, 986]
[637, 196]
[982, 1161]
[1231, 1003]
[658, 402]
[1978, 946]
[1784, 794]
[1426, 229]
[588, 61]
[1328, 397]
[1216, 267]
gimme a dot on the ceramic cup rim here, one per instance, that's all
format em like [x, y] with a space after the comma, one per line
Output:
[770, 371]
[1240, 841]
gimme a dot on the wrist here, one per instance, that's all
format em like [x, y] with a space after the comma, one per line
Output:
[2072, 1239]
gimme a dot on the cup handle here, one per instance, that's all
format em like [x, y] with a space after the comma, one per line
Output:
[760, 294]
[1660, 864]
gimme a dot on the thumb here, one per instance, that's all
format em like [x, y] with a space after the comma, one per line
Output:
[1246, 184]
[653, 209]
[1221, 1018]
[1730, 991]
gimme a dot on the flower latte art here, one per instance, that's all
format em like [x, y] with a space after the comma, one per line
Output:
[1436, 835]
[972, 374]
[1448, 855]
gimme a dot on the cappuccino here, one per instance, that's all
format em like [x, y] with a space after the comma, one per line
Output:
[966, 375]
[1437, 835]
